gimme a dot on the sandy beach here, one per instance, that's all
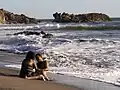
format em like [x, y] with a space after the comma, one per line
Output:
[9, 79]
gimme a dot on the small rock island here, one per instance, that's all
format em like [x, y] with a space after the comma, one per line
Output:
[89, 17]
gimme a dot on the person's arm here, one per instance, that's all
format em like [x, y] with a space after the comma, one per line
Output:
[35, 66]
[47, 66]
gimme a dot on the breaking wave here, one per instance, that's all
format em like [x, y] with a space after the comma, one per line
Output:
[114, 25]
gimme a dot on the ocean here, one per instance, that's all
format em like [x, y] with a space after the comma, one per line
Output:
[90, 54]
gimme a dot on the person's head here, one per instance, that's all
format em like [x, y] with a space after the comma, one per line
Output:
[39, 57]
[30, 55]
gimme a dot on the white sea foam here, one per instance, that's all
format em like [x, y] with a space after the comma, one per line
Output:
[32, 26]
[50, 25]
[13, 66]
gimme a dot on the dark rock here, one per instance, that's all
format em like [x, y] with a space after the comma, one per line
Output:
[10, 18]
[2, 17]
[27, 33]
[42, 32]
[47, 35]
[90, 17]
[44, 35]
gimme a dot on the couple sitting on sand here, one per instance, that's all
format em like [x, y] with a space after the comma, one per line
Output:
[32, 70]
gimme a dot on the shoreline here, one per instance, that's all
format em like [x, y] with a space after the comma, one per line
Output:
[8, 75]
[74, 83]
[64, 82]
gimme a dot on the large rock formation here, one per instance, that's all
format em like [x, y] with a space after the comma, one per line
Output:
[2, 17]
[8, 18]
[90, 17]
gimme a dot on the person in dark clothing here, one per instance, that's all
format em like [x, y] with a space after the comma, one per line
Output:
[29, 68]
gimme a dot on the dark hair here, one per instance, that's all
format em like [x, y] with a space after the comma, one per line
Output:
[36, 56]
[30, 55]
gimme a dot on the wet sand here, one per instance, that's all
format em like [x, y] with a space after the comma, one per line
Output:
[9, 79]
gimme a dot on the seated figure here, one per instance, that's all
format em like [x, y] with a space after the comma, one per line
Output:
[42, 65]
[29, 68]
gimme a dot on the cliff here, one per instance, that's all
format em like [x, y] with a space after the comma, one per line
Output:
[2, 17]
[11, 18]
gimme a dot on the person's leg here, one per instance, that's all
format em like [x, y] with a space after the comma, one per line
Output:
[45, 75]
[32, 77]
[41, 77]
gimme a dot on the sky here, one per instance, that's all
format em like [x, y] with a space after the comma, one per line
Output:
[44, 9]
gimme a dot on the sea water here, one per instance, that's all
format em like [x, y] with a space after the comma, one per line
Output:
[90, 54]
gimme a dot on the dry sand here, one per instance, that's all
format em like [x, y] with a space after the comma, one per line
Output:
[9, 80]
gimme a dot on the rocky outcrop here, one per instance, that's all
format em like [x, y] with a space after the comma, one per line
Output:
[9, 18]
[44, 35]
[2, 17]
[90, 17]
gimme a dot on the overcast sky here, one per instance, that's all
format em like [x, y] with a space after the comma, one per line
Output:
[45, 8]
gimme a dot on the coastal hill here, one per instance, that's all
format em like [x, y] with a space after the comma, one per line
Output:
[89, 17]
[7, 17]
